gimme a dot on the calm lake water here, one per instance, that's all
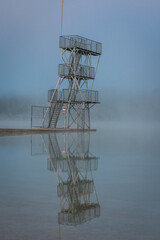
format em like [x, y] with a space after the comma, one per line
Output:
[102, 185]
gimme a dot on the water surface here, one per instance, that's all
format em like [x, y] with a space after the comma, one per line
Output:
[102, 185]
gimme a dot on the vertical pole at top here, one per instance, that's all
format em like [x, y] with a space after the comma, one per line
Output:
[62, 18]
[61, 28]
[61, 40]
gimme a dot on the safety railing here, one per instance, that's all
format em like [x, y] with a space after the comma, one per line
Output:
[57, 95]
[84, 213]
[37, 116]
[81, 96]
[75, 95]
[81, 71]
[81, 187]
[80, 42]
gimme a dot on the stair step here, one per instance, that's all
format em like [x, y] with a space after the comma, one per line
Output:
[56, 113]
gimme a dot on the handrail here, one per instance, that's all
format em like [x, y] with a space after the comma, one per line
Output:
[88, 95]
[80, 42]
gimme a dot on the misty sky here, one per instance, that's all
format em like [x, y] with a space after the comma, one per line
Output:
[29, 36]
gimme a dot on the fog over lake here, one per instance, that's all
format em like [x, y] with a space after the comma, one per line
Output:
[82, 185]
[116, 105]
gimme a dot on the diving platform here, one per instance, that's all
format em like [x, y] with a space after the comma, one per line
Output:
[88, 96]
[84, 45]
[82, 71]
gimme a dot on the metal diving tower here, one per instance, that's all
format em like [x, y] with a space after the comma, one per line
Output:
[70, 102]
[73, 97]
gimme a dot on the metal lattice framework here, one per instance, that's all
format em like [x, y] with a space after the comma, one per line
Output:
[77, 74]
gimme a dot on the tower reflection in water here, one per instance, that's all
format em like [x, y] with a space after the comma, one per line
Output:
[69, 157]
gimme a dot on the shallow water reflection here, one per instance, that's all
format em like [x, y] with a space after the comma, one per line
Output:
[69, 157]
[81, 186]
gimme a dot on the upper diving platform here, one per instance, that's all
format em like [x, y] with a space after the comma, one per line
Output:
[69, 42]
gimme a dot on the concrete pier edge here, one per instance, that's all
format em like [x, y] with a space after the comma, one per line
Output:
[16, 131]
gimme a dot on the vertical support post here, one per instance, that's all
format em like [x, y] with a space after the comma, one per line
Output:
[64, 126]
[68, 114]
[59, 231]
[43, 117]
[83, 115]
[31, 144]
[31, 116]
[78, 117]
[88, 115]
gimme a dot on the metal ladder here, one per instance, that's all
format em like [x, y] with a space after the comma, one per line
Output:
[55, 112]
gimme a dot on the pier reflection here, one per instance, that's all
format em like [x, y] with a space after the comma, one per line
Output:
[73, 164]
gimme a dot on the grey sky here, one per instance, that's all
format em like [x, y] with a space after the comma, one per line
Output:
[29, 54]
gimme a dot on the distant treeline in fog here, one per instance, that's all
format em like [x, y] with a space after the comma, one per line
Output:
[18, 107]
[115, 106]
[14, 107]
[130, 106]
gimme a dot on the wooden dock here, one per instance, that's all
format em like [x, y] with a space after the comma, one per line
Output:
[25, 131]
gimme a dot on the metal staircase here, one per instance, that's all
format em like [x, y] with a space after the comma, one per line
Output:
[55, 112]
